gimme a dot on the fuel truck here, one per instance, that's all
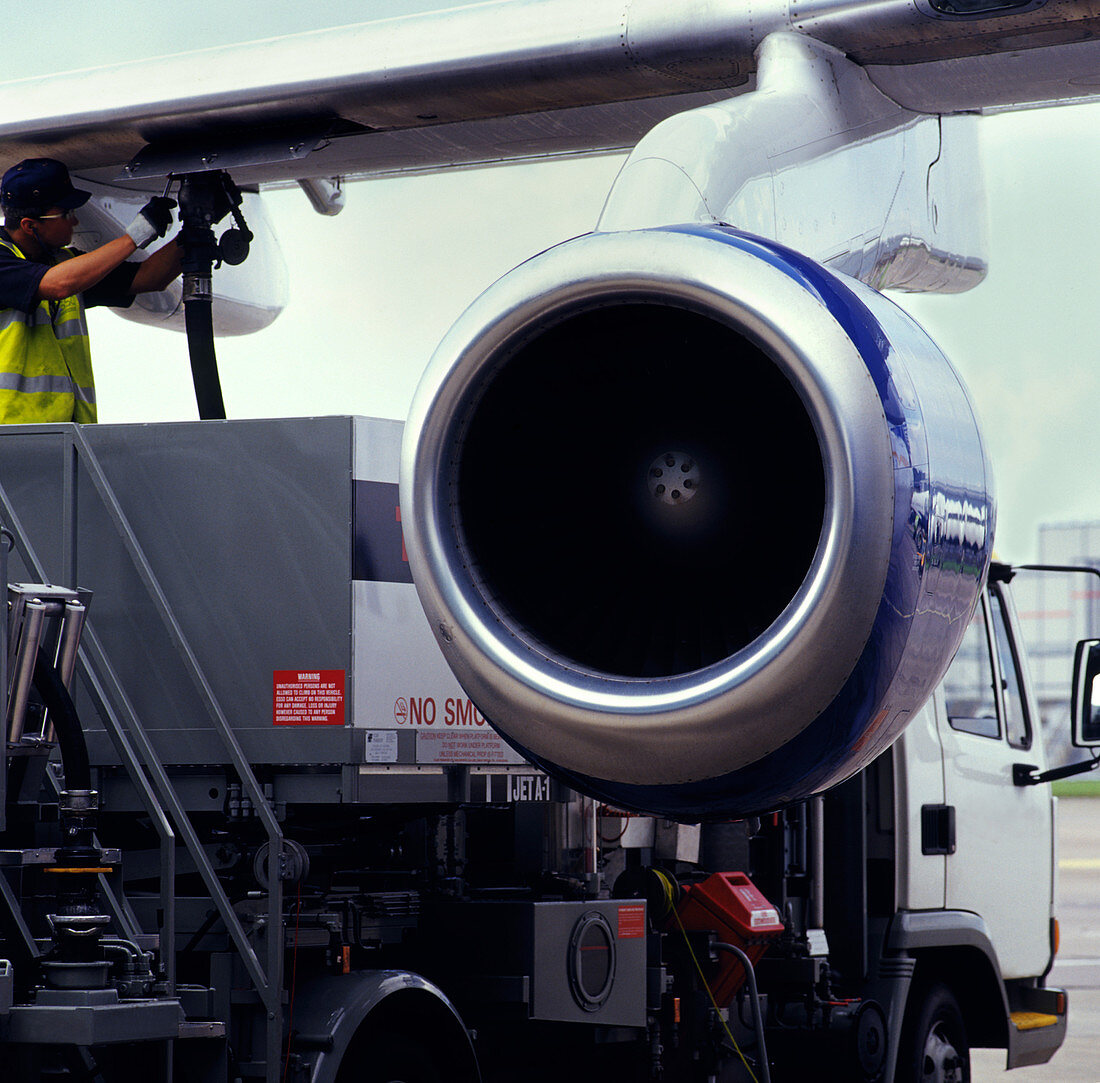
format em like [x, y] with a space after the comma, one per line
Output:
[647, 707]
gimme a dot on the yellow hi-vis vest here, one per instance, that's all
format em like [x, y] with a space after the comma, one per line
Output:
[45, 361]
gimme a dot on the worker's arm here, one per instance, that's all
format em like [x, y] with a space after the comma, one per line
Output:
[162, 267]
[77, 274]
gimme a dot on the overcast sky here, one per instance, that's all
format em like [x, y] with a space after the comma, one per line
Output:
[373, 290]
[1027, 340]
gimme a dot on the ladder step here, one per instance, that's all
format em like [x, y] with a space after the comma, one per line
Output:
[1033, 1020]
[202, 1029]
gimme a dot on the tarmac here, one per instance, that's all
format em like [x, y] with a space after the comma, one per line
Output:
[1077, 967]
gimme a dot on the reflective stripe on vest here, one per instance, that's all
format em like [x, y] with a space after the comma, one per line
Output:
[45, 362]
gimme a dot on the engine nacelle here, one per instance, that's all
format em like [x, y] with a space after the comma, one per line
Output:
[697, 523]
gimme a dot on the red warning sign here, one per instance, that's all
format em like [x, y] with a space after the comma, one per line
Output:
[308, 697]
[631, 921]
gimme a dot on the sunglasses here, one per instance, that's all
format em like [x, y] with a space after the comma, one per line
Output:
[69, 216]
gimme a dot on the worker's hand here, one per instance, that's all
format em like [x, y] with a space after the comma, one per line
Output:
[153, 220]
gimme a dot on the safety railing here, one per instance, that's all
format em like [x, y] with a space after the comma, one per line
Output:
[138, 755]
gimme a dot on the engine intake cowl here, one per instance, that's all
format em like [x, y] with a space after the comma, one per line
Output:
[697, 523]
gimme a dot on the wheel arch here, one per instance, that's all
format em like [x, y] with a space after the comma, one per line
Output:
[338, 1015]
[969, 973]
[953, 947]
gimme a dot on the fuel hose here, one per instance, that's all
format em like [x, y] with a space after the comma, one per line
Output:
[198, 314]
[70, 734]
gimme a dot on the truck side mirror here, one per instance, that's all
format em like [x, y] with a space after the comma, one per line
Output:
[1086, 694]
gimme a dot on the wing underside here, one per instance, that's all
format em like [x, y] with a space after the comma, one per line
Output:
[512, 80]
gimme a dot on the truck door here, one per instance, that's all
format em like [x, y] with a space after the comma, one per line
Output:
[918, 780]
[1001, 867]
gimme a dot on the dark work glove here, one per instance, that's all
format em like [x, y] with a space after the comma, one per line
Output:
[153, 220]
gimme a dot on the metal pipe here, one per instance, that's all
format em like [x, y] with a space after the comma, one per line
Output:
[757, 1019]
[34, 613]
[68, 641]
[817, 863]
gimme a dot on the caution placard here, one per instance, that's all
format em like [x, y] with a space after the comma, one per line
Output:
[308, 697]
[462, 746]
[631, 921]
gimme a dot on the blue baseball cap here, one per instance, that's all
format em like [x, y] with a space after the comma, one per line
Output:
[40, 183]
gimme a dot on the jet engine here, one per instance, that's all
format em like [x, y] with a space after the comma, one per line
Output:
[697, 522]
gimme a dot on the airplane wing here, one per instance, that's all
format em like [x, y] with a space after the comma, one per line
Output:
[513, 80]
[517, 79]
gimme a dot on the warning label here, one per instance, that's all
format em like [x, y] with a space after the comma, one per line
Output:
[631, 921]
[462, 746]
[304, 697]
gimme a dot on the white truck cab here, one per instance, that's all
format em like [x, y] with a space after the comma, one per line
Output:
[976, 847]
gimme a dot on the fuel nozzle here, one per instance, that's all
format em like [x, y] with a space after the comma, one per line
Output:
[204, 200]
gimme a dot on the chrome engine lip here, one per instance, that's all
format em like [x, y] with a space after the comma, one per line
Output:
[701, 724]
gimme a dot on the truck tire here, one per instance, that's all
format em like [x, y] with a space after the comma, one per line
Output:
[390, 1060]
[934, 1047]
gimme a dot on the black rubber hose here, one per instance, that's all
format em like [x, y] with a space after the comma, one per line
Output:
[70, 734]
[199, 321]
[757, 1014]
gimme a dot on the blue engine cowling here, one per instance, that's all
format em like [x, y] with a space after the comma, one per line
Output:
[697, 523]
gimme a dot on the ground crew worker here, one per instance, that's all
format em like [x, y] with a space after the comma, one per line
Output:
[45, 286]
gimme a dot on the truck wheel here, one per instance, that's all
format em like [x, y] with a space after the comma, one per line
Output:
[391, 1060]
[934, 1048]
